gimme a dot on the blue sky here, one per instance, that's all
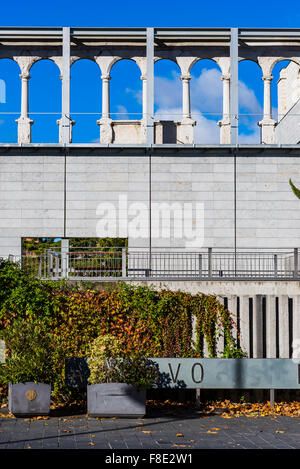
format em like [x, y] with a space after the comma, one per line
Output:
[126, 86]
[195, 13]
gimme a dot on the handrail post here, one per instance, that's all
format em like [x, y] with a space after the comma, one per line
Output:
[64, 258]
[124, 262]
[275, 265]
[209, 262]
[200, 265]
[295, 262]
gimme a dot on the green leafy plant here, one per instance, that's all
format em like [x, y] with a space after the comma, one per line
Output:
[156, 323]
[107, 365]
[30, 354]
[295, 189]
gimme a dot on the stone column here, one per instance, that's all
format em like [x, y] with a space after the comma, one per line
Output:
[185, 128]
[224, 124]
[106, 135]
[186, 101]
[267, 124]
[24, 123]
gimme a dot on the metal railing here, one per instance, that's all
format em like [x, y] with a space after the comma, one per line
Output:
[210, 263]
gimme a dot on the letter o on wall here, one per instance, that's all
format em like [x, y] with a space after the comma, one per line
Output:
[201, 373]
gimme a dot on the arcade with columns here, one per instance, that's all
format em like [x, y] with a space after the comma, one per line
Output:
[145, 46]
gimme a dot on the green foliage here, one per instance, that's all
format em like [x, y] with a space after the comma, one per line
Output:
[103, 358]
[107, 365]
[156, 323]
[295, 190]
[31, 354]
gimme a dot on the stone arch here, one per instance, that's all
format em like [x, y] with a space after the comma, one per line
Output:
[12, 59]
[10, 99]
[119, 59]
[45, 102]
[198, 59]
[277, 60]
[285, 85]
[76, 59]
[85, 102]
[56, 60]
[207, 100]
[125, 90]
[251, 99]
[167, 89]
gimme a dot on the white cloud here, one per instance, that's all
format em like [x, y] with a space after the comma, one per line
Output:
[122, 112]
[206, 97]
[206, 91]
[206, 130]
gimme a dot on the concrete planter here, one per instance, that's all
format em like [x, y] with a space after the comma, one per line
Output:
[29, 399]
[115, 400]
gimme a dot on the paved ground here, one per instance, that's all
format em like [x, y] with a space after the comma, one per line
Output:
[157, 431]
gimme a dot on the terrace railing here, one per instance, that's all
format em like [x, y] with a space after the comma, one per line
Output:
[205, 263]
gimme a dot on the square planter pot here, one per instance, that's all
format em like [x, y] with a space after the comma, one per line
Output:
[29, 399]
[115, 400]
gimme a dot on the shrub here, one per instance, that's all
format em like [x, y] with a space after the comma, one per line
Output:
[31, 353]
[154, 323]
[107, 365]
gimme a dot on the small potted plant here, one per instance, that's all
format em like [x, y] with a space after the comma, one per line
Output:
[117, 384]
[28, 370]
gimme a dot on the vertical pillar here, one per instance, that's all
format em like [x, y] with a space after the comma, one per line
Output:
[232, 307]
[234, 81]
[220, 338]
[124, 262]
[106, 133]
[283, 326]
[257, 327]
[296, 328]
[144, 93]
[267, 124]
[24, 122]
[185, 128]
[186, 102]
[105, 96]
[296, 266]
[65, 122]
[225, 122]
[150, 86]
[144, 118]
[245, 324]
[64, 258]
[63, 128]
[271, 325]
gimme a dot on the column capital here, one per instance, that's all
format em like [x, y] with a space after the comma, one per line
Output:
[225, 77]
[24, 76]
[185, 77]
[267, 78]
